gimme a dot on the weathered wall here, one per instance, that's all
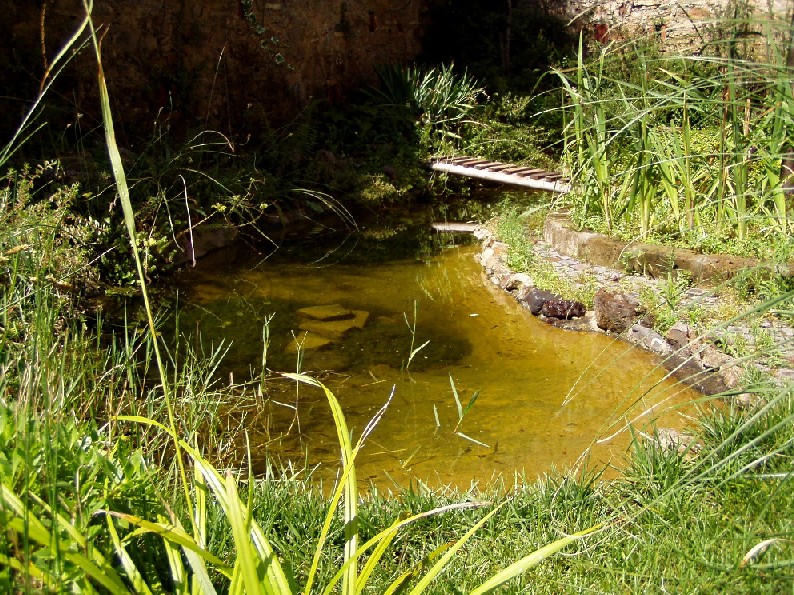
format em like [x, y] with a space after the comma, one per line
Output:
[202, 63]
[685, 26]
[195, 64]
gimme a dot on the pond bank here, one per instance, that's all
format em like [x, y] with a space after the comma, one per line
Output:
[696, 357]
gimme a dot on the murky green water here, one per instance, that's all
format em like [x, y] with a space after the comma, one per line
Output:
[545, 395]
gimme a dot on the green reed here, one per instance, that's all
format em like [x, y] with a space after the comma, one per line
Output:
[688, 145]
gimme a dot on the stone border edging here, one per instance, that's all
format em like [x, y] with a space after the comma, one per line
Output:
[647, 259]
[692, 359]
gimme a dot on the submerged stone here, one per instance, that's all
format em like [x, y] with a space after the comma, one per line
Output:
[327, 360]
[338, 328]
[326, 313]
[308, 341]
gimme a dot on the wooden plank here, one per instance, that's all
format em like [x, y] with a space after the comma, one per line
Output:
[487, 165]
[502, 178]
[501, 168]
[456, 227]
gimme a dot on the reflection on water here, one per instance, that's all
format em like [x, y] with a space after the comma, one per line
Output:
[545, 394]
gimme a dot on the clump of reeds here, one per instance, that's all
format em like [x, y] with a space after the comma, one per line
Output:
[689, 148]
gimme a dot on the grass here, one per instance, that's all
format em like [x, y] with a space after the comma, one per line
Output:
[516, 228]
[685, 149]
[734, 495]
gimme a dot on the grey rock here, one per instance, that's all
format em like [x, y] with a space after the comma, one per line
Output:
[713, 359]
[517, 281]
[669, 439]
[486, 257]
[748, 400]
[679, 335]
[648, 339]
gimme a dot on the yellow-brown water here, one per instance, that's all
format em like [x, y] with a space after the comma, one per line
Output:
[546, 395]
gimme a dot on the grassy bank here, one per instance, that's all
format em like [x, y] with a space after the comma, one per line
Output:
[715, 518]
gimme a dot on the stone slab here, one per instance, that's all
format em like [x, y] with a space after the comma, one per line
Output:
[308, 342]
[646, 259]
[326, 313]
[336, 329]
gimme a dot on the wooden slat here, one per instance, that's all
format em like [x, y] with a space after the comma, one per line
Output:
[461, 160]
[532, 173]
[517, 170]
[487, 165]
[472, 162]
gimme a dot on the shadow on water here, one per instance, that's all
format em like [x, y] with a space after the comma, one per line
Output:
[351, 310]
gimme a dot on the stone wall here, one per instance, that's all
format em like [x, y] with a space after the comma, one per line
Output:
[202, 63]
[197, 64]
[685, 26]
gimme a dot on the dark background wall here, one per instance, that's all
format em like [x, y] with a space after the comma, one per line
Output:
[241, 66]
[230, 65]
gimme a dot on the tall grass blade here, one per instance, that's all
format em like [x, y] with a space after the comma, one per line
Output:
[120, 179]
[246, 561]
[531, 560]
[457, 400]
[470, 439]
[171, 532]
[351, 488]
[127, 564]
[443, 563]
[274, 578]
[382, 540]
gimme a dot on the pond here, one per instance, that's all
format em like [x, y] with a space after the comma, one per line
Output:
[352, 311]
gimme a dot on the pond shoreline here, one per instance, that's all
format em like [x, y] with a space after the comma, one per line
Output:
[695, 359]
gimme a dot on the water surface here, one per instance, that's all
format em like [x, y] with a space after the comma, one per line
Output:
[545, 394]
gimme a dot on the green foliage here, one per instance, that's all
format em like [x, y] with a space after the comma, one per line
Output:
[441, 100]
[510, 131]
[44, 239]
[55, 477]
[687, 150]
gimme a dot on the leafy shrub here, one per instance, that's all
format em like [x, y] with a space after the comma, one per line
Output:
[43, 236]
